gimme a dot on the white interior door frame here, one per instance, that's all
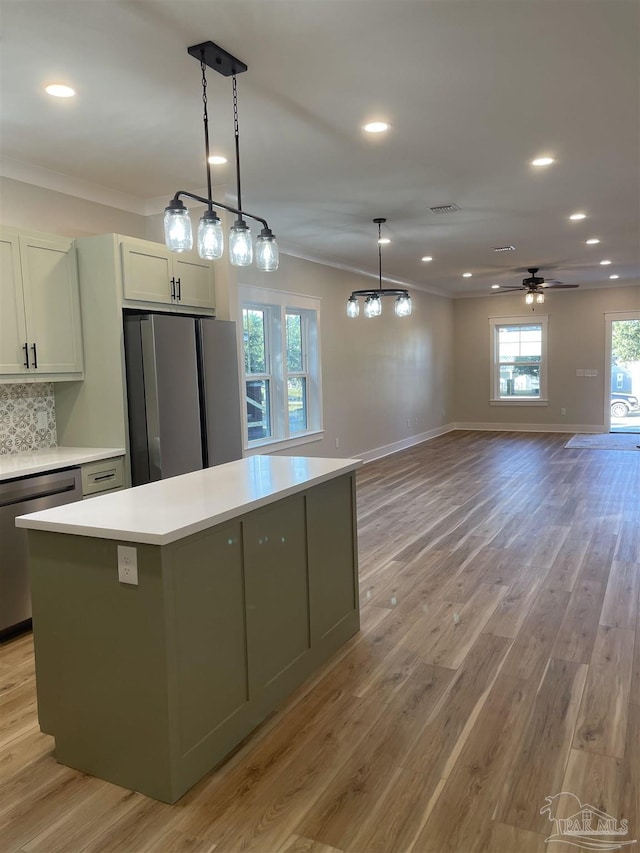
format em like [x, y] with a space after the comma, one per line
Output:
[609, 319]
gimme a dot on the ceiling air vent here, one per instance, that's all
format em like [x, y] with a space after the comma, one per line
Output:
[444, 208]
[504, 248]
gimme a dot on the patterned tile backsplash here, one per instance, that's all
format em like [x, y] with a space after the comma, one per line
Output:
[27, 417]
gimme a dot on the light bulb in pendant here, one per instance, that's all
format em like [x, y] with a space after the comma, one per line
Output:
[240, 245]
[177, 227]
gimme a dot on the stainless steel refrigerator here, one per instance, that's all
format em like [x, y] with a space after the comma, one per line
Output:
[183, 394]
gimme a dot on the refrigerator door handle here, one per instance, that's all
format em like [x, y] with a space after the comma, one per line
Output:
[151, 398]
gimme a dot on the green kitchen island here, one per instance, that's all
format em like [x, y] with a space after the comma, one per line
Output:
[246, 583]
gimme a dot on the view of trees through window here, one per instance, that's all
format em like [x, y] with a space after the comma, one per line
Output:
[276, 368]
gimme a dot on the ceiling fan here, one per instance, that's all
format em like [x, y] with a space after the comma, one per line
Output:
[535, 285]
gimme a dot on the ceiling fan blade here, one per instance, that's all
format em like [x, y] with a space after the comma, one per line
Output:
[550, 281]
[560, 286]
[505, 290]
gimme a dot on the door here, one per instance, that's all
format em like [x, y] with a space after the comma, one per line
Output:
[146, 272]
[52, 304]
[13, 328]
[172, 402]
[193, 281]
[622, 402]
[220, 389]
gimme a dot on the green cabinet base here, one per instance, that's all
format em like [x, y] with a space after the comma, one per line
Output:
[151, 686]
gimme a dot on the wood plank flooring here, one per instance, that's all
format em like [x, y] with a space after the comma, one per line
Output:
[498, 664]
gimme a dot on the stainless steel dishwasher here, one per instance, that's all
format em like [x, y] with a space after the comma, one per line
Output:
[18, 497]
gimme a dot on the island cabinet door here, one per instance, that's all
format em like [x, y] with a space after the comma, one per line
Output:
[277, 596]
[333, 591]
[210, 643]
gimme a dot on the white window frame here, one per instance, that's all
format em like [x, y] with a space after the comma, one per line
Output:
[496, 323]
[277, 304]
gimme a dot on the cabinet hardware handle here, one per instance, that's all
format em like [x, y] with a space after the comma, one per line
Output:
[179, 289]
[26, 355]
[100, 477]
[173, 288]
[35, 355]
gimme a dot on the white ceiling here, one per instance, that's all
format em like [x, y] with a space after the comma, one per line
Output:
[473, 89]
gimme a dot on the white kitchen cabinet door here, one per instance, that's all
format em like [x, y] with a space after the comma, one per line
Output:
[147, 272]
[52, 305]
[194, 278]
[13, 327]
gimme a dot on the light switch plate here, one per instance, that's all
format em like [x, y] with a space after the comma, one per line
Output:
[127, 565]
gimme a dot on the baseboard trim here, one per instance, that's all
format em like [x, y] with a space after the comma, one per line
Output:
[585, 428]
[403, 444]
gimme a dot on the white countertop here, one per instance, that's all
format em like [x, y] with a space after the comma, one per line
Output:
[51, 458]
[163, 512]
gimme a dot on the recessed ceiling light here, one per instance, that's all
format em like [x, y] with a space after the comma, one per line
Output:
[604, 263]
[495, 286]
[614, 276]
[58, 90]
[383, 241]
[576, 216]
[467, 274]
[542, 161]
[592, 241]
[426, 258]
[217, 160]
[376, 126]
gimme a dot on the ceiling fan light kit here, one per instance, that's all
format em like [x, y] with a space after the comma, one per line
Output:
[373, 298]
[210, 242]
[535, 286]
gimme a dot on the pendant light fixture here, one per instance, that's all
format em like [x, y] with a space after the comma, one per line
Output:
[373, 298]
[177, 223]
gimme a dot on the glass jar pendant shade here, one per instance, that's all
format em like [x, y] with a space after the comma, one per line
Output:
[540, 298]
[372, 306]
[267, 255]
[177, 227]
[240, 245]
[210, 236]
[529, 299]
[403, 306]
[353, 307]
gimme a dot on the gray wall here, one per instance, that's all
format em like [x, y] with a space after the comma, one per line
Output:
[576, 341]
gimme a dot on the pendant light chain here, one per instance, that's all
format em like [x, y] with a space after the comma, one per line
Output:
[379, 257]
[205, 118]
[236, 131]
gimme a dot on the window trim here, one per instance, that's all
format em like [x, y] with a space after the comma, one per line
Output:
[496, 323]
[276, 304]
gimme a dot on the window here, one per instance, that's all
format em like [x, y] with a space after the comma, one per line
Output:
[519, 360]
[281, 360]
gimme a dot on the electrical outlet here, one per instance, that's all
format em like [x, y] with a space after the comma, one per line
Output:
[42, 421]
[127, 565]
[337, 443]
[563, 411]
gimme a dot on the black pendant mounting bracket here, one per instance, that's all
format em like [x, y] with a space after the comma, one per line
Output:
[217, 58]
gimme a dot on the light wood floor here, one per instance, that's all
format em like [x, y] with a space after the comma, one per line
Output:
[498, 664]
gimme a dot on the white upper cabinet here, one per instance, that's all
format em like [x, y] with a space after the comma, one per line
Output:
[40, 327]
[151, 273]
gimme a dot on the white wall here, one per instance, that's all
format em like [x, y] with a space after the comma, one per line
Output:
[576, 341]
[27, 206]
